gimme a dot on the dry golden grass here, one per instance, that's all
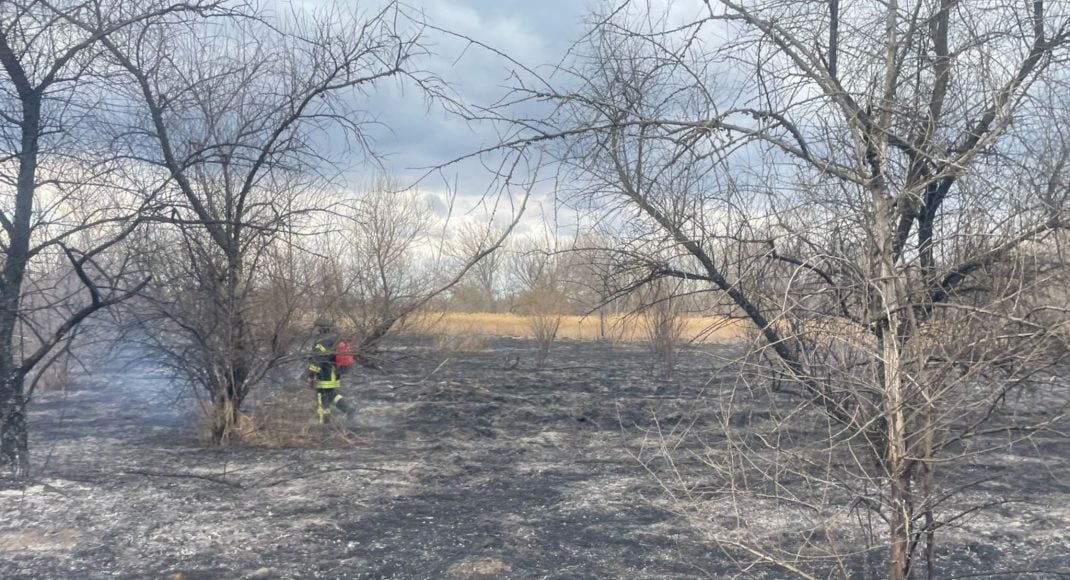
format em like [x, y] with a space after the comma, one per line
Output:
[618, 328]
[281, 423]
[455, 338]
[286, 419]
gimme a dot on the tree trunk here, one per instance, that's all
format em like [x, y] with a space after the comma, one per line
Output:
[891, 302]
[224, 416]
[14, 447]
[899, 541]
[228, 396]
[897, 461]
[926, 489]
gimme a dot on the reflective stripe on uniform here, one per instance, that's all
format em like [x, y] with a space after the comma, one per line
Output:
[330, 383]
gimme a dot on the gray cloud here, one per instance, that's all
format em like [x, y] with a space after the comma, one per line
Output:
[410, 134]
[537, 34]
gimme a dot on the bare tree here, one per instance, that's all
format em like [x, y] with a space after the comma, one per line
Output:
[592, 274]
[236, 118]
[664, 322]
[377, 264]
[859, 189]
[485, 278]
[390, 266]
[70, 198]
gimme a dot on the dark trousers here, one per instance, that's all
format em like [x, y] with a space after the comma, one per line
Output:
[326, 398]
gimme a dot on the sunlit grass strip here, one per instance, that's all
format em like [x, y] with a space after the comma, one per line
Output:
[710, 329]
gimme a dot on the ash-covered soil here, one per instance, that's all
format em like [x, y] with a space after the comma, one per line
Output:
[458, 466]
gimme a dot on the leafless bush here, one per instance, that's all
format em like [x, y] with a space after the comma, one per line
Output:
[543, 307]
[541, 300]
[664, 322]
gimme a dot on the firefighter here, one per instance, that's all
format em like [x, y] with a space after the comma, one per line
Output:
[324, 372]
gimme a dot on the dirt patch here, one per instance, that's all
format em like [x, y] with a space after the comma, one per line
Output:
[38, 540]
[475, 568]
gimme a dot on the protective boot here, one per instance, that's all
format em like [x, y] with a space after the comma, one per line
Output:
[349, 410]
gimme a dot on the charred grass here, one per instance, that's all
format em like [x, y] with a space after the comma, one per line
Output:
[461, 464]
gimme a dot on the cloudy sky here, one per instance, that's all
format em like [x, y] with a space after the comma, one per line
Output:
[414, 136]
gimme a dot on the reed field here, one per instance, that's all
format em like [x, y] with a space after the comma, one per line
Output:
[617, 328]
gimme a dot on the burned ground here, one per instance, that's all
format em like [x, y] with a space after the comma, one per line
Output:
[459, 466]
